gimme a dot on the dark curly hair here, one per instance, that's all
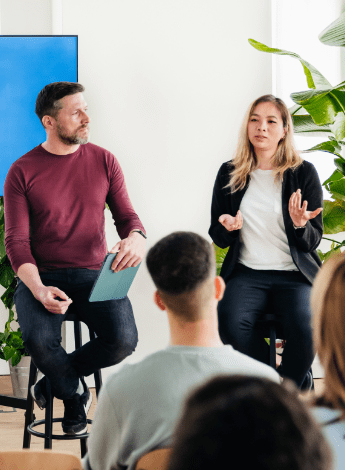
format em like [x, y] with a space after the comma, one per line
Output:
[248, 422]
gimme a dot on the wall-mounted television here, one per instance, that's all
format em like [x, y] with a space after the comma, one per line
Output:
[27, 64]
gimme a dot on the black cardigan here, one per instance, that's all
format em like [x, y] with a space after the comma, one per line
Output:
[302, 242]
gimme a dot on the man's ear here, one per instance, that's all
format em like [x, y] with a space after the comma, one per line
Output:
[48, 122]
[220, 287]
[158, 301]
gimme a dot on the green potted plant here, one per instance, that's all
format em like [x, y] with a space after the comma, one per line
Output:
[321, 109]
[11, 342]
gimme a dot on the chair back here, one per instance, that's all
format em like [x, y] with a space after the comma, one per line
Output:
[38, 460]
[154, 460]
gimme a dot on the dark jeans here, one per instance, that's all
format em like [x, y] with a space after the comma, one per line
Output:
[112, 321]
[249, 293]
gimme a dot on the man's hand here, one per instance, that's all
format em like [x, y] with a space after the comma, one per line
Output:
[48, 295]
[298, 214]
[131, 251]
[231, 223]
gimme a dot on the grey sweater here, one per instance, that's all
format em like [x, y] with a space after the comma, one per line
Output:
[138, 406]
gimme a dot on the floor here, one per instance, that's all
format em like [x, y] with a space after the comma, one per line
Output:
[11, 423]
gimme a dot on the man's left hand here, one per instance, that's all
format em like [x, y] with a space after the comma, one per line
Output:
[131, 251]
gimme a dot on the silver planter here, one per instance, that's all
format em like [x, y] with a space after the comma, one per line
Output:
[20, 377]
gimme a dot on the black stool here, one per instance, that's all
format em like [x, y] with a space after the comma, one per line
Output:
[30, 419]
[271, 327]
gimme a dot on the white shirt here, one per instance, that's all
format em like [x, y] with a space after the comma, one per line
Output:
[264, 244]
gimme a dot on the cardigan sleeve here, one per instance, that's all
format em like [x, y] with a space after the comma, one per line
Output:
[221, 205]
[309, 237]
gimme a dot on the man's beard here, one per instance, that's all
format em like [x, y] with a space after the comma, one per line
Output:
[71, 139]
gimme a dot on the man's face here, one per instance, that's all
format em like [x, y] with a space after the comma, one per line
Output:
[72, 121]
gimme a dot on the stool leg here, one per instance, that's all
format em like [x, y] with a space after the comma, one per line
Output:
[77, 334]
[48, 417]
[29, 412]
[272, 346]
[83, 447]
[97, 375]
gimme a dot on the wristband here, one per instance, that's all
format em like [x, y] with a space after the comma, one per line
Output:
[139, 231]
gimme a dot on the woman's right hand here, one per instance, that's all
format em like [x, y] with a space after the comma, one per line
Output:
[231, 223]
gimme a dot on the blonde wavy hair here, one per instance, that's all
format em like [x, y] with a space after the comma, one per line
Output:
[245, 160]
[328, 306]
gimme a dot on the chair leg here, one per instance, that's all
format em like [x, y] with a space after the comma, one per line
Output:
[48, 417]
[272, 346]
[29, 412]
[97, 375]
[83, 447]
[77, 334]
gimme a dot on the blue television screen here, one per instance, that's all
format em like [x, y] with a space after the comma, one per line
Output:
[27, 64]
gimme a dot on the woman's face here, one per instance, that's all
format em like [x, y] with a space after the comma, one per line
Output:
[265, 127]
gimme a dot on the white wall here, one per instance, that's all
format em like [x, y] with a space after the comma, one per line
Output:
[167, 84]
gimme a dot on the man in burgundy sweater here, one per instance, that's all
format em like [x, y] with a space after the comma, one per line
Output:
[54, 199]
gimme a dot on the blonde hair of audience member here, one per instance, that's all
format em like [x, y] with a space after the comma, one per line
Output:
[328, 306]
[245, 160]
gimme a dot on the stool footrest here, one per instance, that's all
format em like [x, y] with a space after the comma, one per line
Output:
[62, 437]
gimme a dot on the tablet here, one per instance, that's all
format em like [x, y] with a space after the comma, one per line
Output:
[110, 285]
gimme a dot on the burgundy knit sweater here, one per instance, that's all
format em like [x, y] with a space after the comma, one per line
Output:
[54, 208]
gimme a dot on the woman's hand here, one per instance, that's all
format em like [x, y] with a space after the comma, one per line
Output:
[298, 214]
[231, 223]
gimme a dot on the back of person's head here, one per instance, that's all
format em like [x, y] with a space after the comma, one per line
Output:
[250, 423]
[48, 99]
[328, 306]
[182, 267]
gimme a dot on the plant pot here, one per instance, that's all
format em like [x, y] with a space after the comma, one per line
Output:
[20, 377]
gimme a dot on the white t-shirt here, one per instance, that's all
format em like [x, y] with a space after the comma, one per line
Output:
[264, 244]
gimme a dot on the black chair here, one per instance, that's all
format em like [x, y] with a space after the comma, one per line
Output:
[30, 419]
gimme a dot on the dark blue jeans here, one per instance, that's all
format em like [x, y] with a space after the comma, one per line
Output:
[112, 321]
[249, 293]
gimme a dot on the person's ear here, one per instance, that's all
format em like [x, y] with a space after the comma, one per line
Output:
[158, 301]
[48, 122]
[220, 287]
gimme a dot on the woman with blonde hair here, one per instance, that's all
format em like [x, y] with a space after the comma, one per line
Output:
[259, 209]
[328, 307]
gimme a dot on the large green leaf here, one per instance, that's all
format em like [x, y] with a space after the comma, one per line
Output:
[333, 216]
[337, 188]
[338, 127]
[220, 256]
[335, 176]
[2, 247]
[334, 34]
[6, 275]
[314, 77]
[328, 146]
[340, 164]
[305, 123]
[323, 105]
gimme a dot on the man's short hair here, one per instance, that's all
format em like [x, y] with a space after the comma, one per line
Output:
[48, 99]
[179, 264]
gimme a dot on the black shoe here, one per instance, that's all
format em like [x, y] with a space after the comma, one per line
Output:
[308, 382]
[39, 393]
[76, 409]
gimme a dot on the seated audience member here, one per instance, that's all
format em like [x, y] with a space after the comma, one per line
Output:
[328, 306]
[139, 405]
[243, 422]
